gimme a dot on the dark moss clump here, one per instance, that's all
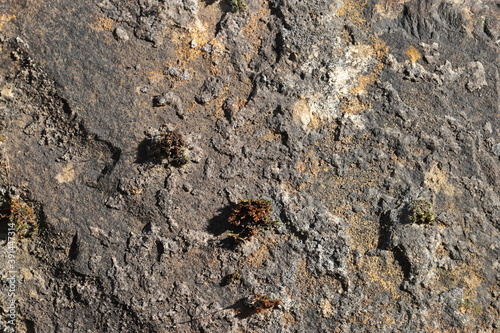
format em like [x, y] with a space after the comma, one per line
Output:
[21, 217]
[238, 6]
[169, 145]
[259, 303]
[421, 212]
[250, 216]
[231, 279]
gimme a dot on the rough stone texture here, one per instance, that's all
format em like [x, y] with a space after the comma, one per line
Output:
[339, 112]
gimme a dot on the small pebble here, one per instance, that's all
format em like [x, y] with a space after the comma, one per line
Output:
[496, 149]
[121, 34]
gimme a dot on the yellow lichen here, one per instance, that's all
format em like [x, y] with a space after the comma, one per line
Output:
[437, 180]
[354, 10]
[4, 18]
[103, 24]
[413, 54]
[326, 308]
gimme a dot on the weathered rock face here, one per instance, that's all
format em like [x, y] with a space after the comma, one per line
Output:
[342, 114]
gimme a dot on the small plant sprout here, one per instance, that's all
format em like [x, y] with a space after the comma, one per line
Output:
[467, 306]
[20, 217]
[232, 279]
[239, 238]
[421, 212]
[249, 216]
[238, 6]
[169, 145]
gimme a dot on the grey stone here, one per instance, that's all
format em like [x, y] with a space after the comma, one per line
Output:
[209, 90]
[496, 149]
[121, 34]
[321, 106]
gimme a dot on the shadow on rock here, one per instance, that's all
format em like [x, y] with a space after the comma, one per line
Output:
[219, 225]
[384, 236]
[143, 155]
[208, 2]
[242, 309]
[249, 306]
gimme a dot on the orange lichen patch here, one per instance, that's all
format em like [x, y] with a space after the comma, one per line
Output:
[214, 70]
[289, 319]
[437, 180]
[384, 275]
[336, 189]
[184, 41]
[188, 44]
[364, 321]
[305, 282]
[353, 9]
[365, 80]
[218, 45]
[302, 114]
[271, 136]
[353, 104]
[378, 50]
[102, 24]
[4, 18]
[364, 233]
[413, 54]
[259, 257]
[289, 188]
[310, 284]
[442, 252]
[367, 60]
[379, 277]
[236, 89]
[326, 307]
[314, 123]
[310, 163]
[200, 61]
[155, 77]
[202, 32]
[466, 276]
[253, 30]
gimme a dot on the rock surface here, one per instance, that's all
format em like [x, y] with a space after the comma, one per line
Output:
[341, 113]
